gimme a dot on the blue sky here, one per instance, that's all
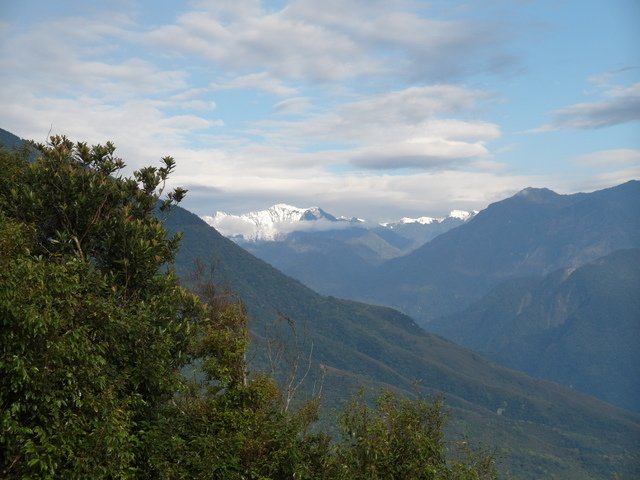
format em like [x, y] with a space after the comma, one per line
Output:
[376, 109]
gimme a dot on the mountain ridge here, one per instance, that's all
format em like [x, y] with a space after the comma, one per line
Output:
[564, 429]
[279, 220]
[547, 327]
[531, 233]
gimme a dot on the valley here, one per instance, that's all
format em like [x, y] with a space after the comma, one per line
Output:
[356, 343]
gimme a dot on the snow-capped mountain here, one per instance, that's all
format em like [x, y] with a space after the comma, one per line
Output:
[454, 214]
[276, 222]
[322, 250]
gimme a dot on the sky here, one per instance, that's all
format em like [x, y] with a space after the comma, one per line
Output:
[367, 108]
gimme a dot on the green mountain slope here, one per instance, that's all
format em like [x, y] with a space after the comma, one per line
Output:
[546, 430]
[580, 327]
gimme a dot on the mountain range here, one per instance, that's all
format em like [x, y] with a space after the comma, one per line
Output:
[429, 269]
[534, 232]
[548, 431]
[543, 429]
[277, 222]
[581, 331]
[324, 251]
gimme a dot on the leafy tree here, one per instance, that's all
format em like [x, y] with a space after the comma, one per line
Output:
[108, 368]
[94, 331]
[224, 425]
[97, 333]
[400, 439]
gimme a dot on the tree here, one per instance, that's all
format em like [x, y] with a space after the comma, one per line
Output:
[109, 368]
[401, 438]
[224, 425]
[95, 330]
[97, 334]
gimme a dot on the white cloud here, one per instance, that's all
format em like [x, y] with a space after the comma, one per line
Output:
[418, 47]
[393, 115]
[69, 55]
[605, 179]
[373, 197]
[256, 81]
[608, 158]
[620, 105]
[399, 129]
[334, 41]
[424, 153]
[140, 130]
[293, 106]
[189, 100]
[273, 42]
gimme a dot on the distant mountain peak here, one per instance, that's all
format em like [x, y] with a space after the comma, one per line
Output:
[273, 223]
[462, 214]
[454, 214]
[537, 194]
[277, 221]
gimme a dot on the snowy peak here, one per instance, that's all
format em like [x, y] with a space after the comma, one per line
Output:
[274, 223]
[462, 214]
[454, 214]
[283, 213]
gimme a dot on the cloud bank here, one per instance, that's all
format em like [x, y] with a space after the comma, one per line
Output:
[370, 108]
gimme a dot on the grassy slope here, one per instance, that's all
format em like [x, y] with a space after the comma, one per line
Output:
[544, 426]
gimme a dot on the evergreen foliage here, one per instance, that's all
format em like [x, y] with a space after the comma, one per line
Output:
[98, 337]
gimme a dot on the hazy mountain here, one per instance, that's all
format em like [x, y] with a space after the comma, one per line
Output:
[9, 140]
[323, 251]
[580, 327]
[275, 222]
[547, 429]
[532, 233]
[418, 231]
[279, 221]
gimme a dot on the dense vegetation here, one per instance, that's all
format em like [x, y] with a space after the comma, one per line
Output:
[109, 368]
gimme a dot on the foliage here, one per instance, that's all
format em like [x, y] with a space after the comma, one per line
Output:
[223, 424]
[398, 439]
[110, 369]
[93, 334]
